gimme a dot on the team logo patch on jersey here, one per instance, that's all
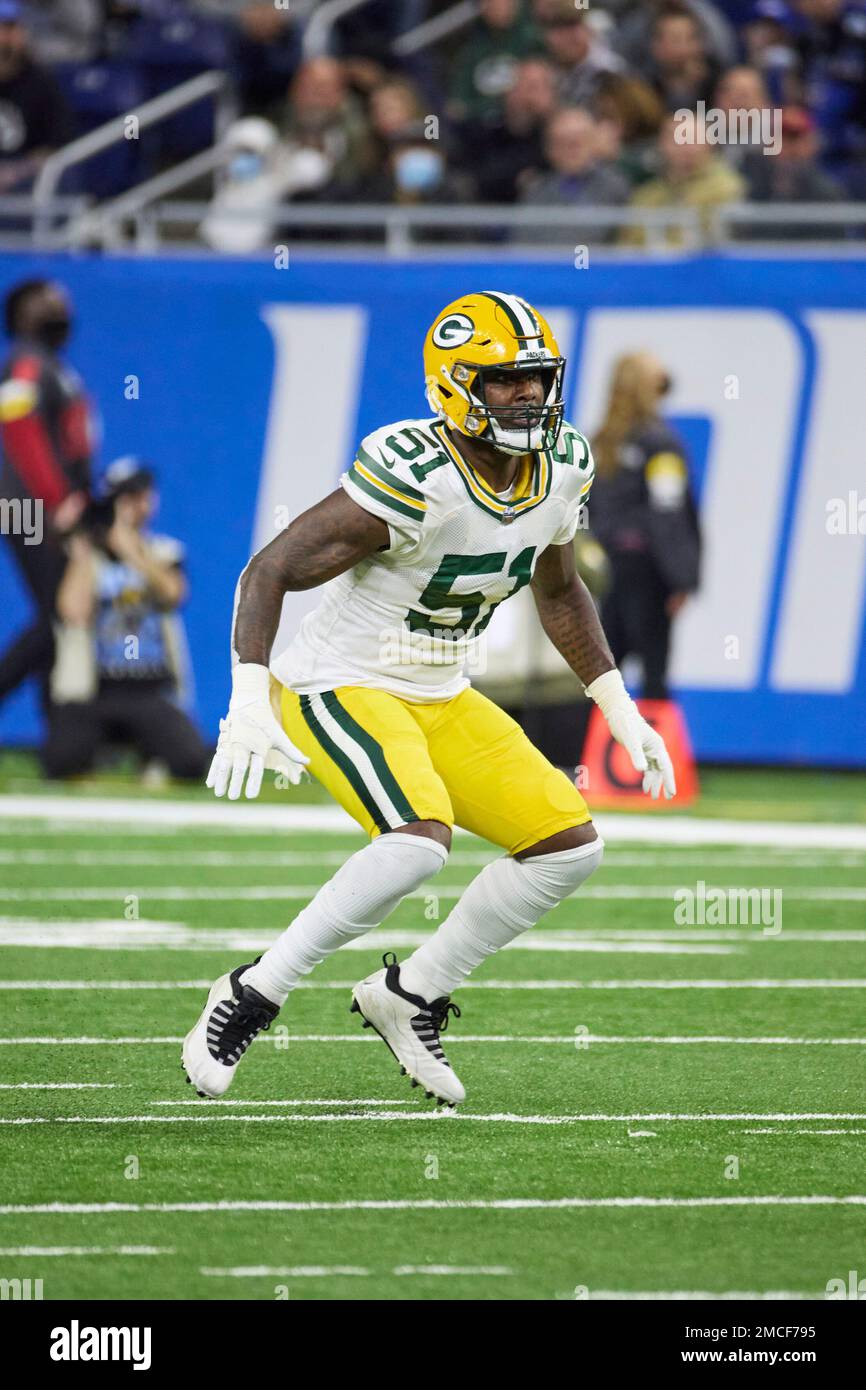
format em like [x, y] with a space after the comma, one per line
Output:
[453, 331]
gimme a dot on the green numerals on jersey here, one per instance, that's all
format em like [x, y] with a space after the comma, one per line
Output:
[438, 593]
[569, 441]
[410, 444]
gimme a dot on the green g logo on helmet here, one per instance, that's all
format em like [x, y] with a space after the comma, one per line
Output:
[453, 331]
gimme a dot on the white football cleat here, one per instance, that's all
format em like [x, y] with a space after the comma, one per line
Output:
[410, 1027]
[233, 1016]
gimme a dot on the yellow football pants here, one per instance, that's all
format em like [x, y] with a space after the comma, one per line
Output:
[462, 761]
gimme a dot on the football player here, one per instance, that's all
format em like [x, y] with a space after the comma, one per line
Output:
[436, 523]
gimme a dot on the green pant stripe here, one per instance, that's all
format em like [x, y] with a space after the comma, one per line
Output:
[373, 751]
[346, 766]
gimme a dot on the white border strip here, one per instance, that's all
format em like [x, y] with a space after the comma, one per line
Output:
[635, 828]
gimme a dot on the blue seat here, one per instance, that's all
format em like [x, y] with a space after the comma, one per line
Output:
[97, 92]
[169, 50]
[181, 42]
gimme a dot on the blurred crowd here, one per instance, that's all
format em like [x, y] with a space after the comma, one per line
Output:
[541, 103]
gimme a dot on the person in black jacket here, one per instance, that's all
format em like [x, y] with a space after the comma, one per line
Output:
[46, 443]
[643, 513]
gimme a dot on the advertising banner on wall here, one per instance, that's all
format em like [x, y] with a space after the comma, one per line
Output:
[248, 388]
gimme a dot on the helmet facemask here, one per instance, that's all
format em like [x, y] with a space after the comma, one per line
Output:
[524, 427]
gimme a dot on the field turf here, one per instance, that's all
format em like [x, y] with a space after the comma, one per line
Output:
[652, 1107]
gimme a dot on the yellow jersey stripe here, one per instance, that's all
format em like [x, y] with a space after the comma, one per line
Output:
[386, 488]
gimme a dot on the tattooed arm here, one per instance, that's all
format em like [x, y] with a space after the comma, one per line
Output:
[569, 618]
[319, 544]
[568, 615]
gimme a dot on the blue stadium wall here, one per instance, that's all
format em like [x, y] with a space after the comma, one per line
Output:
[247, 387]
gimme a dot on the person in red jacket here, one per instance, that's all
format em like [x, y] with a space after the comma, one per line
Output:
[46, 442]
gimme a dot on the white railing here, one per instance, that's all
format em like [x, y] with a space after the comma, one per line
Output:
[117, 129]
[139, 219]
[402, 227]
[424, 35]
[317, 33]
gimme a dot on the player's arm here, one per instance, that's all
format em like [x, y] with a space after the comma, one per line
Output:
[568, 614]
[570, 620]
[320, 544]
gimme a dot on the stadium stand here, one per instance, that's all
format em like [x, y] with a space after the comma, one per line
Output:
[523, 104]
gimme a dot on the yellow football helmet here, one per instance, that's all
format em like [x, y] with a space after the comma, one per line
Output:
[493, 331]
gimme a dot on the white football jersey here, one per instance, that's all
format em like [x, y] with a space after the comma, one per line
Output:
[409, 619]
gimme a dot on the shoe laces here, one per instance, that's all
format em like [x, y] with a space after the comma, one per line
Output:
[440, 1010]
[244, 1022]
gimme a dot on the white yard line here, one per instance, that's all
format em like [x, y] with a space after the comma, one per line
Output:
[363, 1101]
[636, 828]
[154, 931]
[63, 1085]
[805, 1131]
[389, 1116]
[571, 1039]
[422, 1204]
[84, 1042]
[622, 1295]
[327, 1271]
[783, 860]
[60, 1251]
[146, 935]
[283, 892]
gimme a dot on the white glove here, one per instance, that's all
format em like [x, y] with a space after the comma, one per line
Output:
[251, 739]
[644, 746]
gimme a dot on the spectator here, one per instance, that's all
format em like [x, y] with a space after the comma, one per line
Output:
[34, 117]
[767, 40]
[63, 31]
[832, 50]
[506, 155]
[416, 172]
[120, 594]
[643, 513]
[693, 175]
[629, 116]
[793, 176]
[392, 106]
[266, 46]
[679, 66]
[740, 91]
[485, 65]
[579, 59]
[634, 29]
[321, 115]
[578, 178]
[46, 436]
[238, 220]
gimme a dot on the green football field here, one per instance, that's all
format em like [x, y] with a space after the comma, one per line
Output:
[654, 1106]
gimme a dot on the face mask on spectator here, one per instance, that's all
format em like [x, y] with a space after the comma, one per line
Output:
[52, 332]
[246, 164]
[417, 170]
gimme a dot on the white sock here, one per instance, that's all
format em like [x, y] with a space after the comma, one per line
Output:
[359, 896]
[507, 897]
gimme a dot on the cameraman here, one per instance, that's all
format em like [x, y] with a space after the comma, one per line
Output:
[117, 669]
